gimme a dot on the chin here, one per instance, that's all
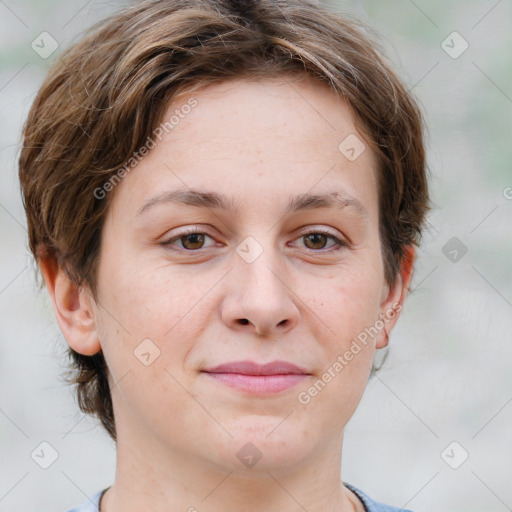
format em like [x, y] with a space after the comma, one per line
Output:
[257, 445]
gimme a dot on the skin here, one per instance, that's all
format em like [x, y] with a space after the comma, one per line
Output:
[303, 301]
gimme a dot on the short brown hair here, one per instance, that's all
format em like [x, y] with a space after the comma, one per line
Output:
[106, 95]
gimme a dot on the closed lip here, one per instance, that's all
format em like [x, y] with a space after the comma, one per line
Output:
[253, 368]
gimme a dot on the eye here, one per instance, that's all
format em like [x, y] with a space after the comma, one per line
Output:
[193, 240]
[190, 240]
[317, 240]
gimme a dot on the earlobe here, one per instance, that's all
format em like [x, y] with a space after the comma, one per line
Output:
[393, 299]
[73, 308]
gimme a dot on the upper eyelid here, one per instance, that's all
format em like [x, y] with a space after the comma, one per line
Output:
[305, 231]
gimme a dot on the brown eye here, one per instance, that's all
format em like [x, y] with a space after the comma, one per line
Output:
[315, 240]
[191, 241]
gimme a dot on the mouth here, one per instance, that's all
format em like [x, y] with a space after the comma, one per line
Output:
[254, 378]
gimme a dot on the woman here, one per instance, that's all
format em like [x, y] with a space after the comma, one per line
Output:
[224, 199]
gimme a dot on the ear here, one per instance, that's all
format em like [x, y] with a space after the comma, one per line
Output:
[393, 298]
[73, 308]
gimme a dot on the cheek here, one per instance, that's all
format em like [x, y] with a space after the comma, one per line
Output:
[348, 309]
[346, 302]
[161, 312]
[150, 299]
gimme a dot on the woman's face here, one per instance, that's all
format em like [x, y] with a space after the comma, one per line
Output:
[270, 275]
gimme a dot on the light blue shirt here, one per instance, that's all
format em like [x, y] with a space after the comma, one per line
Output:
[91, 505]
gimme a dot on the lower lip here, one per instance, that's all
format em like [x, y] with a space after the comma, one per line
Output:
[258, 384]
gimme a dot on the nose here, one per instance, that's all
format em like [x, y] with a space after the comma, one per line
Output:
[259, 300]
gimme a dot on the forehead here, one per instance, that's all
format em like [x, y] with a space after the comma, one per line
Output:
[255, 137]
[288, 110]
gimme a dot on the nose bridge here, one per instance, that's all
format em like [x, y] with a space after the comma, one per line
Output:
[262, 275]
[259, 271]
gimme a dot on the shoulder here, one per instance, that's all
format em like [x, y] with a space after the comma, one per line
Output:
[371, 505]
[90, 505]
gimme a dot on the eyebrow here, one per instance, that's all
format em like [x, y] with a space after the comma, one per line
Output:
[214, 200]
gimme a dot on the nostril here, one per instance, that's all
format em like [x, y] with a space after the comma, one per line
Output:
[244, 321]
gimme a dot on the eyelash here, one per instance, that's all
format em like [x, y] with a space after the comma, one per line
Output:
[193, 231]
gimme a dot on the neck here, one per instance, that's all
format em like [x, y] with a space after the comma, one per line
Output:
[161, 479]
